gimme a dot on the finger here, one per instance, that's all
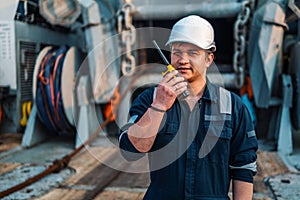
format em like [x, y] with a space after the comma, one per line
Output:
[169, 76]
[164, 89]
[175, 81]
[180, 85]
[174, 88]
[181, 90]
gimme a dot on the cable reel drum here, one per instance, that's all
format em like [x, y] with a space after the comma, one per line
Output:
[53, 85]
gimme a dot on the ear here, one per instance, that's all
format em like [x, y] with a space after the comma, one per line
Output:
[209, 59]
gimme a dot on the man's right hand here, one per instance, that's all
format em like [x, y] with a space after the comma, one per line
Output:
[168, 89]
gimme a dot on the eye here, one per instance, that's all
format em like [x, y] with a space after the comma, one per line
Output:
[193, 53]
[177, 53]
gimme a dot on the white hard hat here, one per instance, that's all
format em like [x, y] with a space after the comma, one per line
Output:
[195, 30]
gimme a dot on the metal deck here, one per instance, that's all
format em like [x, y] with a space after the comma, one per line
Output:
[87, 178]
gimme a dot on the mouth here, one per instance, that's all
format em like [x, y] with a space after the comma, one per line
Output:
[183, 69]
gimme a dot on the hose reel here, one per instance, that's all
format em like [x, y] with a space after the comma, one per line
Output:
[53, 87]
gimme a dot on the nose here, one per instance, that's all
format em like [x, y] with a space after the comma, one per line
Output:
[184, 59]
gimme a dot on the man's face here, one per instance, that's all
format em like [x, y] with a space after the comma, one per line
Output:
[190, 60]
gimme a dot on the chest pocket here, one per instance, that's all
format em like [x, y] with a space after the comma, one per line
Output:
[170, 122]
[216, 144]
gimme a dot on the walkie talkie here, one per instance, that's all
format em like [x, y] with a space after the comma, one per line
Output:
[170, 68]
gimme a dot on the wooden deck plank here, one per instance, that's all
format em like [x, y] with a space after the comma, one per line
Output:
[102, 175]
[86, 162]
[268, 164]
[88, 169]
[9, 141]
[6, 167]
[90, 173]
[120, 195]
[63, 194]
[98, 174]
[132, 180]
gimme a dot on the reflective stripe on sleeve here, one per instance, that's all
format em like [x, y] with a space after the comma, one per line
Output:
[251, 133]
[250, 166]
[120, 137]
[125, 128]
[133, 118]
[217, 117]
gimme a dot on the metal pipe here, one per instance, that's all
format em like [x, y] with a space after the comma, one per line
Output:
[176, 10]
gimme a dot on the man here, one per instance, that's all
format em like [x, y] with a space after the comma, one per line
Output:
[195, 145]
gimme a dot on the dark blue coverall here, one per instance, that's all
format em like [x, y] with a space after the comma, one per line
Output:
[197, 152]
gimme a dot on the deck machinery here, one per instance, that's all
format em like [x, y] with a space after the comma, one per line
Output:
[109, 54]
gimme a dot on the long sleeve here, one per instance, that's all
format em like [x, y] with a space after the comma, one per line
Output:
[243, 145]
[137, 110]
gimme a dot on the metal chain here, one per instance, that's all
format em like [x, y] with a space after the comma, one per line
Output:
[128, 37]
[240, 33]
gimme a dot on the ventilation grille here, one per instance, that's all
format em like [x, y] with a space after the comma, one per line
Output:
[27, 61]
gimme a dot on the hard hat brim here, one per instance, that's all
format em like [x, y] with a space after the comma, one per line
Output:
[211, 47]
